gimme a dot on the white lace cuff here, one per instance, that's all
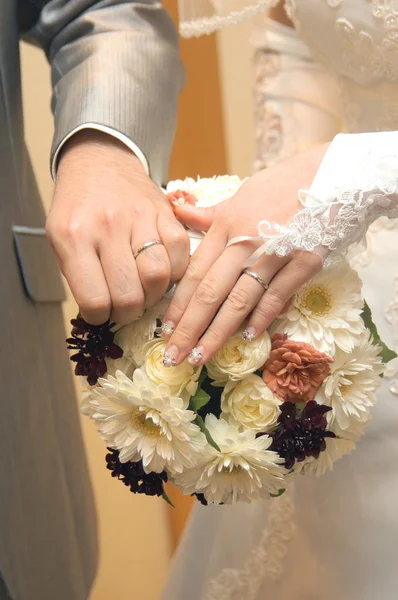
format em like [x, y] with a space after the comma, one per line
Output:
[356, 183]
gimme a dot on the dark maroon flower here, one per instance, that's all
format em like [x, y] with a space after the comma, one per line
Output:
[300, 433]
[93, 343]
[132, 474]
[201, 498]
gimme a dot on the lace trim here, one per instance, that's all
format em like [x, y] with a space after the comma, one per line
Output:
[205, 25]
[356, 183]
[265, 561]
[269, 136]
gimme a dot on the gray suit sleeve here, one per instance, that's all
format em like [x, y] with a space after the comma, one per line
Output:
[115, 64]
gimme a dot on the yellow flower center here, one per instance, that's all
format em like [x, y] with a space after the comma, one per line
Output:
[317, 300]
[144, 425]
[345, 388]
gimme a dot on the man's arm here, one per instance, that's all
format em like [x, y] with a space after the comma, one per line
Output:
[114, 63]
[115, 67]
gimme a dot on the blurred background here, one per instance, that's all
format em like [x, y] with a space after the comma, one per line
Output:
[215, 135]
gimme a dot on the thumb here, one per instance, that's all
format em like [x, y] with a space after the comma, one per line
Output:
[197, 218]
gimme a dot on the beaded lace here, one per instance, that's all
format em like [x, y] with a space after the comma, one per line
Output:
[199, 17]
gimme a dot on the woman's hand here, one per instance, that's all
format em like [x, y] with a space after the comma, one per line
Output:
[105, 209]
[215, 297]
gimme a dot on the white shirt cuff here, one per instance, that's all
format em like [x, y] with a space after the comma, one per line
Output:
[105, 129]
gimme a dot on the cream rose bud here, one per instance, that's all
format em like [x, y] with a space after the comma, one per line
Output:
[250, 403]
[237, 358]
[182, 380]
[133, 337]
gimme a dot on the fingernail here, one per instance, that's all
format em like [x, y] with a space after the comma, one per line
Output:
[170, 357]
[249, 334]
[179, 202]
[196, 355]
[167, 329]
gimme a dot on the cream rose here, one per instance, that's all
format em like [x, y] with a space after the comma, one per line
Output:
[250, 403]
[182, 380]
[237, 359]
[133, 337]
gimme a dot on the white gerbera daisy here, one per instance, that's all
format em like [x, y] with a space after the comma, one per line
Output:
[243, 469]
[335, 449]
[326, 312]
[350, 387]
[144, 421]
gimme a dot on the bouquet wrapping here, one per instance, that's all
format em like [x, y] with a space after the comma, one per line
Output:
[260, 412]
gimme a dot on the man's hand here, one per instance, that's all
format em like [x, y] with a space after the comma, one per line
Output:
[105, 208]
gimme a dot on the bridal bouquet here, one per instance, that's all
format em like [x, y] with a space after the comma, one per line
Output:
[292, 401]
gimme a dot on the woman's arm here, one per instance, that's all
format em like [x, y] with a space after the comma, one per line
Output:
[356, 183]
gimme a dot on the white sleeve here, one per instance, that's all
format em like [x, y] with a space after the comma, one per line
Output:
[356, 183]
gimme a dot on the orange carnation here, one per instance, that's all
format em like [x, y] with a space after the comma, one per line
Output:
[295, 370]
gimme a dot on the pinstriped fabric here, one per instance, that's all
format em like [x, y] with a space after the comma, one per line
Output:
[118, 66]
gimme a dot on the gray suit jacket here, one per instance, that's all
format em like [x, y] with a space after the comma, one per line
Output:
[114, 63]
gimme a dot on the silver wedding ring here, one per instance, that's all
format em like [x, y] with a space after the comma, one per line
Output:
[257, 277]
[146, 246]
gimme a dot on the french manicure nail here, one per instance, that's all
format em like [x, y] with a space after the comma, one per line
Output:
[167, 328]
[196, 355]
[170, 357]
[249, 334]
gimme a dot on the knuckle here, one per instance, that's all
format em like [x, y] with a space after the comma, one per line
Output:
[194, 271]
[157, 273]
[94, 306]
[207, 293]
[239, 300]
[183, 336]
[274, 298]
[130, 301]
[65, 232]
[109, 218]
[271, 304]
[179, 239]
[176, 309]
[213, 337]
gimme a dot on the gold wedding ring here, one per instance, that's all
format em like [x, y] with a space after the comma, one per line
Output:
[257, 277]
[146, 246]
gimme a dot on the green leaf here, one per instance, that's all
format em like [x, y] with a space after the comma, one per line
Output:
[167, 499]
[386, 353]
[280, 492]
[201, 424]
[199, 400]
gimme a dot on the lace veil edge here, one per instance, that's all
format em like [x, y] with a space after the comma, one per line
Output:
[201, 17]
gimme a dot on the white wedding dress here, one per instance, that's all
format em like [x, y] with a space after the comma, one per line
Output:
[336, 537]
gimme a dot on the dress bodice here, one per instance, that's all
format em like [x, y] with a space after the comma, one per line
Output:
[357, 40]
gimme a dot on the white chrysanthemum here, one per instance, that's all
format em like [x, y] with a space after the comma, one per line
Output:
[133, 337]
[250, 403]
[208, 190]
[182, 379]
[144, 421]
[244, 469]
[326, 312]
[335, 449]
[350, 387]
[237, 359]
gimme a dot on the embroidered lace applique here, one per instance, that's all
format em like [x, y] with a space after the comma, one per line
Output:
[364, 56]
[269, 136]
[328, 226]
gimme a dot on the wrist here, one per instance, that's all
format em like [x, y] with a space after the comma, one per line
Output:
[89, 148]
